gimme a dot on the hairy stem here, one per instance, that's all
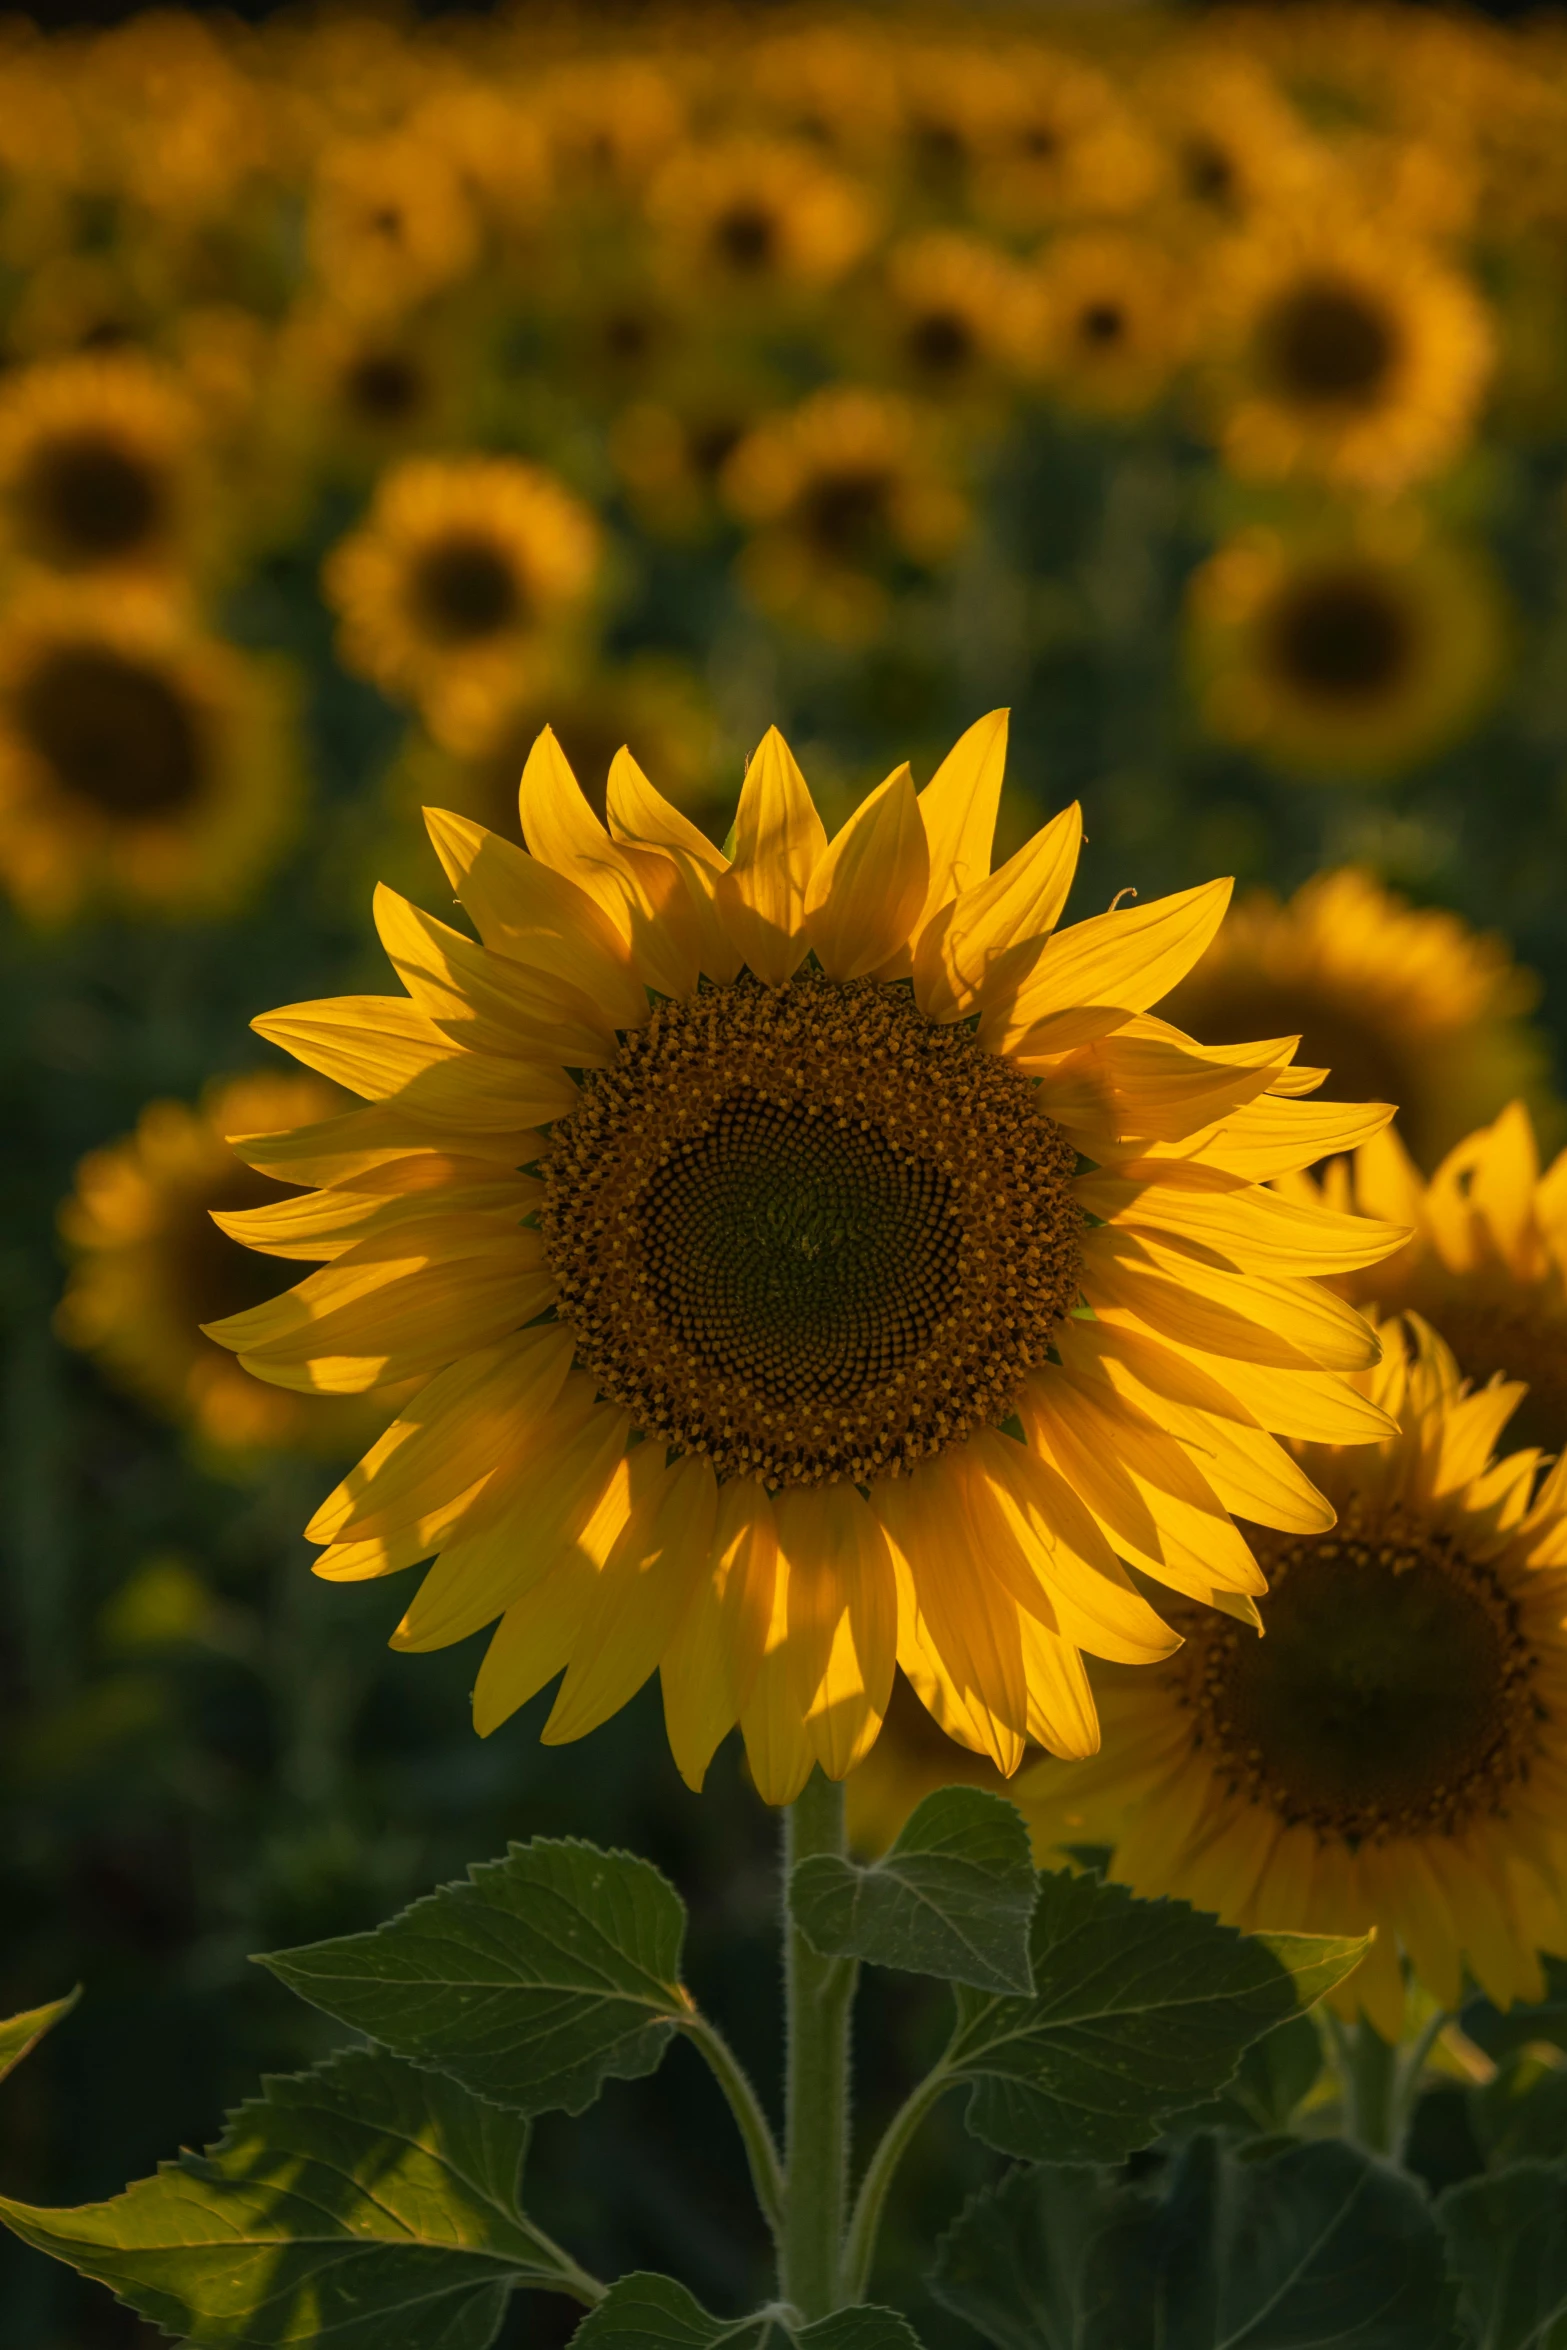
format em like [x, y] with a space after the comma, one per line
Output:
[865, 2226]
[818, 1993]
[761, 2151]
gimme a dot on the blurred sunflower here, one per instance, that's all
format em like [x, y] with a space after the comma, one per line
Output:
[1116, 320]
[1233, 148]
[461, 584]
[818, 1234]
[954, 317]
[608, 122]
[142, 763]
[1341, 652]
[828, 84]
[101, 466]
[670, 451]
[1394, 1752]
[757, 218]
[1064, 146]
[956, 103]
[1351, 352]
[1400, 1003]
[1487, 1263]
[149, 1264]
[390, 222]
[835, 491]
[351, 391]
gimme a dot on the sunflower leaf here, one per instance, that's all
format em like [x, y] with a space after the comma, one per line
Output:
[952, 1898]
[546, 1974]
[647, 2312]
[363, 2205]
[1275, 2245]
[20, 2034]
[1140, 2008]
[1507, 2253]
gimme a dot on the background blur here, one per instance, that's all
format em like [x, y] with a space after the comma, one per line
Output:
[370, 394]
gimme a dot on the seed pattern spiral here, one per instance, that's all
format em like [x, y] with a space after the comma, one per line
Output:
[809, 1233]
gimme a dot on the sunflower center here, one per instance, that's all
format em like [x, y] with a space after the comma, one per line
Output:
[1330, 343]
[1340, 635]
[463, 588]
[844, 511]
[1393, 1694]
[809, 1233]
[387, 387]
[1101, 323]
[746, 236]
[86, 498]
[941, 342]
[1209, 173]
[111, 732]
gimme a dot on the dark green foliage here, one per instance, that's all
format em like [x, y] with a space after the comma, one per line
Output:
[645, 2312]
[953, 1897]
[20, 2034]
[1507, 2248]
[1272, 2246]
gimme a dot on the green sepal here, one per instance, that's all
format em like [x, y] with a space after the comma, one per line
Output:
[1143, 2008]
[544, 1975]
[648, 2312]
[1507, 2252]
[364, 2205]
[20, 2034]
[953, 1897]
[1279, 2245]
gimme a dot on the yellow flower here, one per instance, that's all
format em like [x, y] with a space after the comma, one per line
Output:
[609, 121]
[1406, 1004]
[1345, 651]
[671, 451]
[831, 84]
[1393, 1753]
[1233, 149]
[757, 217]
[1116, 320]
[141, 763]
[350, 391]
[955, 315]
[1064, 145]
[149, 1264]
[390, 222]
[462, 581]
[837, 490]
[101, 466]
[735, 1211]
[1351, 352]
[1487, 1262]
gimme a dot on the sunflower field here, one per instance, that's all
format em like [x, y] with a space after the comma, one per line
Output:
[568, 516]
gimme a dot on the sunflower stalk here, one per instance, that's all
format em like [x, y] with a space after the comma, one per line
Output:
[1378, 2080]
[818, 1997]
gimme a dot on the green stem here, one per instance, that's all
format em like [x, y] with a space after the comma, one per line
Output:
[865, 2226]
[818, 1993]
[1367, 2067]
[761, 2150]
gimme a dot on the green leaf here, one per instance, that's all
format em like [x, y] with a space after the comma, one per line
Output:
[363, 2205]
[1499, 2031]
[952, 1898]
[1507, 2250]
[546, 1974]
[20, 2034]
[1142, 2008]
[647, 2312]
[1271, 2082]
[1304, 2246]
[1521, 2115]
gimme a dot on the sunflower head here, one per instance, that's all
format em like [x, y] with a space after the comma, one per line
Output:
[1116, 318]
[759, 217]
[391, 222]
[1392, 1754]
[97, 471]
[800, 1249]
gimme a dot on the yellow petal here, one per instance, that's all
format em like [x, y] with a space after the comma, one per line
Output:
[772, 1720]
[1256, 1231]
[386, 1049]
[523, 909]
[1061, 1714]
[1314, 1407]
[345, 1149]
[638, 890]
[1289, 1324]
[967, 944]
[1273, 1136]
[487, 1001]
[639, 815]
[953, 1613]
[778, 840]
[708, 1671]
[958, 807]
[1128, 958]
[868, 887]
[531, 1643]
[1126, 1086]
[843, 1619]
[646, 1584]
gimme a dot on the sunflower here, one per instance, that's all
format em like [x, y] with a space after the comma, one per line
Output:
[828, 84]
[670, 451]
[1404, 1003]
[912, 1758]
[354, 391]
[955, 316]
[149, 1263]
[737, 1215]
[1064, 146]
[1349, 352]
[1394, 1753]
[755, 218]
[390, 222]
[463, 579]
[1116, 320]
[836, 491]
[1345, 651]
[100, 466]
[1233, 149]
[608, 123]
[142, 763]
[1486, 1265]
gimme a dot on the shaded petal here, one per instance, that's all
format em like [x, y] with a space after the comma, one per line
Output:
[778, 840]
[958, 808]
[523, 909]
[968, 944]
[843, 1619]
[869, 885]
[487, 1001]
[709, 1669]
[386, 1049]
[1129, 957]
[1255, 1229]
[638, 814]
[957, 1626]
